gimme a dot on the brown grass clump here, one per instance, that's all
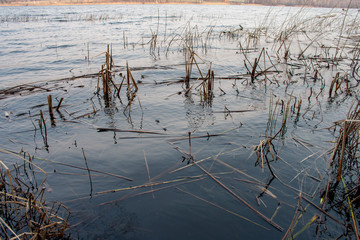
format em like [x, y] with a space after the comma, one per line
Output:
[336, 86]
[345, 156]
[24, 212]
[107, 73]
[343, 189]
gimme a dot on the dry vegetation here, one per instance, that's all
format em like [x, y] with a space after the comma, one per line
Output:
[24, 211]
[299, 57]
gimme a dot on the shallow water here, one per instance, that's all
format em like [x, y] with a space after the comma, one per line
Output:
[39, 44]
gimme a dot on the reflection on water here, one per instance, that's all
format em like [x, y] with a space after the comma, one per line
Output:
[197, 115]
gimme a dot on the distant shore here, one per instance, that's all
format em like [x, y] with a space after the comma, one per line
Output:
[54, 3]
[320, 4]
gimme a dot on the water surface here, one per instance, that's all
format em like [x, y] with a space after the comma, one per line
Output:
[40, 44]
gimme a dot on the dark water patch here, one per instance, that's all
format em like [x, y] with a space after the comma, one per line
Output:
[17, 52]
[60, 46]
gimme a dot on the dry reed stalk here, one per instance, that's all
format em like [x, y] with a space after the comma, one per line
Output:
[51, 112]
[153, 43]
[58, 106]
[132, 87]
[255, 70]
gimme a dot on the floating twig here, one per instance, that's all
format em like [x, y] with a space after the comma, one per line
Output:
[87, 167]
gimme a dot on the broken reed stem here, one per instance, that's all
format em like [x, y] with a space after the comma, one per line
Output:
[51, 112]
[58, 106]
[131, 83]
[132, 89]
[87, 167]
[41, 123]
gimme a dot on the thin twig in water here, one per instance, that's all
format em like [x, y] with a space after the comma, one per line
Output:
[87, 167]
[148, 173]
[224, 209]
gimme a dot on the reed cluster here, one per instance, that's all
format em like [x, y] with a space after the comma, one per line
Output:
[106, 73]
[108, 76]
[24, 211]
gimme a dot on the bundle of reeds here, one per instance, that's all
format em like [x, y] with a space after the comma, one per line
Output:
[24, 211]
[344, 187]
[336, 86]
[106, 73]
[207, 86]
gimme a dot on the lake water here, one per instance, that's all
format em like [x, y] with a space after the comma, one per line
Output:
[45, 47]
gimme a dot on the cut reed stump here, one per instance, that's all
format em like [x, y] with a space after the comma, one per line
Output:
[51, 112]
